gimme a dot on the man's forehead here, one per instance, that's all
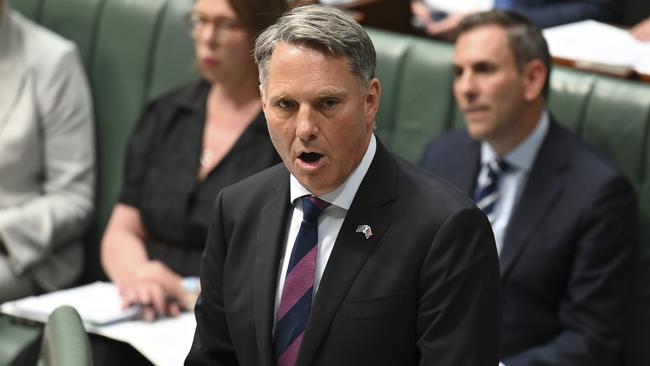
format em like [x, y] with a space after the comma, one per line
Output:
[483, 44]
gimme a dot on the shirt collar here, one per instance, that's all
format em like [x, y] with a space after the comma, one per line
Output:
[522, 156]
[343, 195]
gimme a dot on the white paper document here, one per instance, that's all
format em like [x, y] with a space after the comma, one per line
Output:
[164, 341]
[591, 43]
[97, 303]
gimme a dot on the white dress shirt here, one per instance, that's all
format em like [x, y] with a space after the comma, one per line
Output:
[513, 181]
[329, 222]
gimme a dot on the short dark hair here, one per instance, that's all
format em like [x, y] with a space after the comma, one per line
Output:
[526, 40]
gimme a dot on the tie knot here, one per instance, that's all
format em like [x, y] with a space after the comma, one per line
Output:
[312, 207]
[498, 166]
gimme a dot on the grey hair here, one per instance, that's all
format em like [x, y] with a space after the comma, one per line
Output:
[324, 28]
[526, 40]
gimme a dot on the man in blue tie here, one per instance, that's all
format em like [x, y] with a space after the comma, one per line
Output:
[344, 254]
[564, 218]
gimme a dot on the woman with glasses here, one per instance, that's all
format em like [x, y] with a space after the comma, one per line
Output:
[187, 146]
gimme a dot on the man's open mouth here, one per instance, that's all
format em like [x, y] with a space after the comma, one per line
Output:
[310, 157]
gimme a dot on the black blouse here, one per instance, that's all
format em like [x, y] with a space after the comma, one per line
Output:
[161, 169]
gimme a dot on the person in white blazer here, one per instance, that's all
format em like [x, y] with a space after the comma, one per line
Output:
[47, 158]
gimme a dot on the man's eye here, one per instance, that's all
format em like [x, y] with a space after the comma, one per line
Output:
[484, 68]
[330, 103]
[285, 104]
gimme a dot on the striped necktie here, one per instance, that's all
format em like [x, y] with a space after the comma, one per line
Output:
[487, 194]
[297, 293]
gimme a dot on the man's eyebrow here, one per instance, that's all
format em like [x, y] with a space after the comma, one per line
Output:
[333, 92]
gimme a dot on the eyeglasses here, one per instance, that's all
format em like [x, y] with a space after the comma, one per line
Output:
[222, 27]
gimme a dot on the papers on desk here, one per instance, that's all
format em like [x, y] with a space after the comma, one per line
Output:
[599, 46]
[97, 303]
[164, 342]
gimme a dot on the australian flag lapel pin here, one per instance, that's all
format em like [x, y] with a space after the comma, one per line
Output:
[365, 229]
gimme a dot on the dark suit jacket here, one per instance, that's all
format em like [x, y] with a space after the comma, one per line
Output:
[565, 251]
[422, 290]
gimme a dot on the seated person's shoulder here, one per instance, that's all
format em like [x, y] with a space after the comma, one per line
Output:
[592, 178]
[590, 161]
[426, 189]
[40, 43]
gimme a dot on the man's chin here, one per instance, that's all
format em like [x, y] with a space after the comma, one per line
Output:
[315, 183]
[477, 129]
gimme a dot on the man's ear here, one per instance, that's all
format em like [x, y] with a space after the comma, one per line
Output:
[534, 73]
[373, 94]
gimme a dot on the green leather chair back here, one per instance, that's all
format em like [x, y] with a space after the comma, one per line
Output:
[616, 121]
[65, 342]
[79, 25]
[172, 60]
[29, 8]
[409, 78]
[570, 91]
[391, 52]
[424, 93]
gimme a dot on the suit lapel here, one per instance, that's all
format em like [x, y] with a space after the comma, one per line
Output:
[544, 185]
[457, 172]
[269, 243]
[371, 206]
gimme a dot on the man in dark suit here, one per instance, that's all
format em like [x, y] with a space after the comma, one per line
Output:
[344, 254]
[564, 218]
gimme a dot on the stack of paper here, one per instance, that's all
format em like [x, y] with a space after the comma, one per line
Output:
[164, 342]
[599, 46]
[97, 303]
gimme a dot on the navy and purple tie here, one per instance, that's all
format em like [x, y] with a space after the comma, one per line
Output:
[297, 292]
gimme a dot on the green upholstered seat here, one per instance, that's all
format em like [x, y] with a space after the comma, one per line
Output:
[424, 103]
[65, 342]
[14, 337]
[76, 20]
[570, 91]
[391, 52]
[172, 61]
[29, 8]
[616, 121]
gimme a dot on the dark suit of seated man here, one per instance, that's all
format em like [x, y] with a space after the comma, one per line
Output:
[564, 218]
[344, 254]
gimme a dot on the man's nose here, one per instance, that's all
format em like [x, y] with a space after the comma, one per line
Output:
[466, 87]
[306, 126]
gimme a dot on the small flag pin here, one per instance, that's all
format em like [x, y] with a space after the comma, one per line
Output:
[365, 229]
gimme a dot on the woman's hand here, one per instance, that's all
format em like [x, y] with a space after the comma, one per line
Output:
[154, 287]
